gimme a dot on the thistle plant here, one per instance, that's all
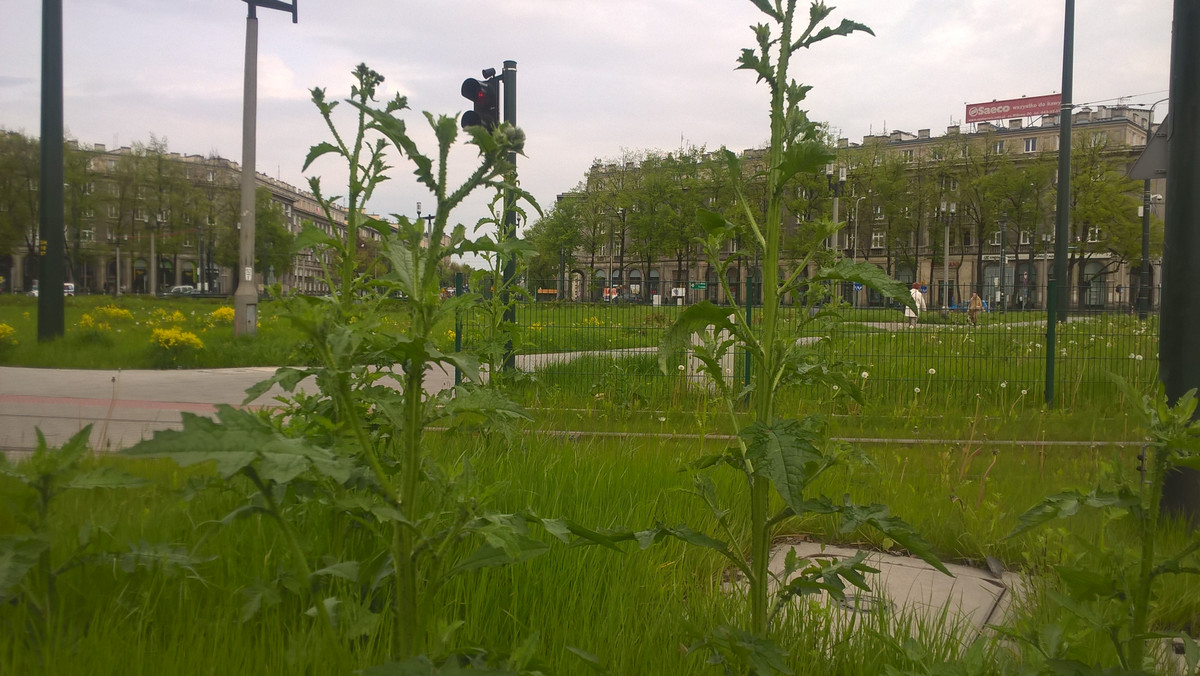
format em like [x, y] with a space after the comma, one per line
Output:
[356, 450]
[1113, 599]
[776, 454]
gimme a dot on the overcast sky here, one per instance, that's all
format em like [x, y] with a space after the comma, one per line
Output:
[594, 76]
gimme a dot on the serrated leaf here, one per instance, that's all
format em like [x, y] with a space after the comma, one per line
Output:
[346, 570]
[104, 477]
[238, 441]
[784, 452]
[316, 151]
[695, 318]
[488, 555]
[18, 555]
[1063, 505]
[879, 517]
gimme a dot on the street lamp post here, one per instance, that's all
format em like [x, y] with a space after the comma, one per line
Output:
[1143, 297]
[245, 297]
[1003, 258]
[854, 244]
[947, 215]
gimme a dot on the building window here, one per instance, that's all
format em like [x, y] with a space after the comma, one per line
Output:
[1095, 233]
[966, 237]
[87, 235]
[878, 239]
[1024, 237]
[998, 147]
[908, 155]
[89, 213]
[1031, 145]
[995, 238]
[879, 212]
[113, 213]
[139, 213]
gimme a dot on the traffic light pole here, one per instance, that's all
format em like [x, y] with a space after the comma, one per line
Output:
[509, 78]
[52, 247]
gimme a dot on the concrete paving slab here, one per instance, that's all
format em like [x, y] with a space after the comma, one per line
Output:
[972, 597]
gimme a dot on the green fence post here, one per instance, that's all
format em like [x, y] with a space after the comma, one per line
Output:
[458, 325]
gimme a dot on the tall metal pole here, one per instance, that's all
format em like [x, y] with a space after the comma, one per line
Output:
[945, 261]
[245, 298]
[1143, 297]
[52, 254]
[1180, 306]
[1057, 301]
[509, 78]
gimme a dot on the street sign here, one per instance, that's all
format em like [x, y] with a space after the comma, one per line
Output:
[699, 286]
[857, 286]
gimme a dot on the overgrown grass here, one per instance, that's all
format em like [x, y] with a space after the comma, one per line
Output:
[634, 610]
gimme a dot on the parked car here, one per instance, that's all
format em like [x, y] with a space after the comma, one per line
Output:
[181, 290]
[68, 289]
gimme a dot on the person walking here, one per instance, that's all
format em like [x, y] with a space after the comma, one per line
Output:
[974, 307]
[919, 301]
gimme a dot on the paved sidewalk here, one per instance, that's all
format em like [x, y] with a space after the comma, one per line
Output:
[126, 406]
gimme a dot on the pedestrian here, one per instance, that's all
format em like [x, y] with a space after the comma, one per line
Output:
[919, 301]
[974, 307]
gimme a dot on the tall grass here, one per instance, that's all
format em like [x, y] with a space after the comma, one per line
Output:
[636, 611]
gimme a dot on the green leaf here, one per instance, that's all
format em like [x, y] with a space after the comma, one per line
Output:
[346, 570]
[318, 150]
[879, 517]
[258, 595]
[785, 453]
[867, 274]
[18, 555]
[766, 7]
[1063, 505]
[491, 556]
[104, 477]
[695, 318]
[239, 441]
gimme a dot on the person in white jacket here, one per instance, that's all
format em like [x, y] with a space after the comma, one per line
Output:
[919, 300]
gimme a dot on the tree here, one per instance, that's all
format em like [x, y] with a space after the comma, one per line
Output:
[19, 173]
[273, 243]
[1104, 204]
[556, 237]
[80, 201]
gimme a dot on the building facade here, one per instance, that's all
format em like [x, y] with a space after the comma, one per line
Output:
[970, 210]
[141, 220]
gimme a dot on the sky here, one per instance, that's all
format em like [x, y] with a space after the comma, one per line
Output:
[595, 78]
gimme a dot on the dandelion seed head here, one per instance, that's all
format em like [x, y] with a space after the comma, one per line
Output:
[932, 371]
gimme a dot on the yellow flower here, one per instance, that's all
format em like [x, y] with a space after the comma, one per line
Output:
[113, 313]
[175, 339]
[223, 315]
[6, 334]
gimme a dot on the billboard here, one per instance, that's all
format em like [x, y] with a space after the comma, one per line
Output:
[1031, 106]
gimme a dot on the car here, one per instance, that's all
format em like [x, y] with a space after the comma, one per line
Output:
[181, 290]
[68, 289]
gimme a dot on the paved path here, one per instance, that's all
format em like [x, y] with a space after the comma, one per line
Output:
[126, 406]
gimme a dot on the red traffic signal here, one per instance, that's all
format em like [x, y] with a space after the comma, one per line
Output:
[486, 97]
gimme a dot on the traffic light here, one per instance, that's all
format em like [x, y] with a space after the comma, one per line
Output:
[485, 95]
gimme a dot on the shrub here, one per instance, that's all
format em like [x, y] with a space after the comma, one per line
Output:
[174, 346]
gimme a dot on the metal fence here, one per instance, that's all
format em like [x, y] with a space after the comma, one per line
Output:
[577, 350]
